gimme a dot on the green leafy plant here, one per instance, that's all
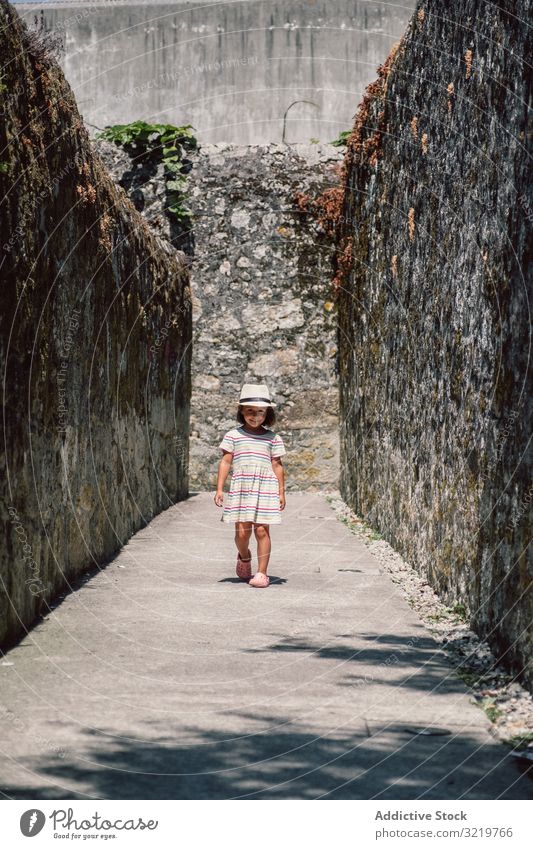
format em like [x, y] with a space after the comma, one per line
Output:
[160, 143]
[342, 138]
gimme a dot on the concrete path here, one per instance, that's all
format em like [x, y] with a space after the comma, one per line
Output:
[164, 677]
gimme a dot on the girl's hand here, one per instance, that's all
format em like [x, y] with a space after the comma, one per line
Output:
[219, 498]
[282, 501]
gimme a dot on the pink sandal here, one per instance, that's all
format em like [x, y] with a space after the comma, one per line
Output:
[259, 580]
[244, 567]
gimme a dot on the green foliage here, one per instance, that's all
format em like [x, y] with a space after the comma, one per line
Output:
[437, 617]
[459, 610]
[491, 709]
[164, 142]
[342, 138]
[161, 143]
[359, 526]
[471, 679]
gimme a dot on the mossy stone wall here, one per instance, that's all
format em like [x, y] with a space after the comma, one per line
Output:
[435, 312]
[95, 335]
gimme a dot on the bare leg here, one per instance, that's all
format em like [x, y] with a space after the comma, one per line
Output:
[243, 532]
[262, 535]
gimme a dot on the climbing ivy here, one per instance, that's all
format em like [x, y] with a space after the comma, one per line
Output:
[161, 143]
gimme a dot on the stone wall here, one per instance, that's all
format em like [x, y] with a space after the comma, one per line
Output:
[262, 305]
[263, 311]
[95, 339]
[435, 309]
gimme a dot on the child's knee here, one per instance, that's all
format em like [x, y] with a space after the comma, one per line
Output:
[261, 531]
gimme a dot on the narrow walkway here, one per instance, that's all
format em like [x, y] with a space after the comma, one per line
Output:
[164, 677]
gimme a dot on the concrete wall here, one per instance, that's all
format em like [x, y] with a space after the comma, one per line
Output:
[95, 335]
[435, 312]
[231, 69]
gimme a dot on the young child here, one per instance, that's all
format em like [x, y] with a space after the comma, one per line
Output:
[257, 488]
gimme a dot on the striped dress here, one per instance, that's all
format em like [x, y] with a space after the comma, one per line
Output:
[254, 488]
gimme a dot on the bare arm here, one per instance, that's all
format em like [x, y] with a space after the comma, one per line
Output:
[223, 470]
[279, 471]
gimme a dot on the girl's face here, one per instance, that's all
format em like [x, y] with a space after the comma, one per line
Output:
[253, 416]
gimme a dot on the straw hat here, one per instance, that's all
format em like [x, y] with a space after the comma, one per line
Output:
[255, 395]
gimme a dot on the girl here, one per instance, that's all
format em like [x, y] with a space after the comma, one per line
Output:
[257, 489]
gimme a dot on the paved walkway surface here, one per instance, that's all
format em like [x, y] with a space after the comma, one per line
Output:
[164, 677]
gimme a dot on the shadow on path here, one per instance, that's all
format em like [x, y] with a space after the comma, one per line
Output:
[293, 763]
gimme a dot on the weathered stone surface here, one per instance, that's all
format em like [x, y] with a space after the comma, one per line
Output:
[145, 184]
[435, 381]
[94, 347]
[260, 277]
[261, 274]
